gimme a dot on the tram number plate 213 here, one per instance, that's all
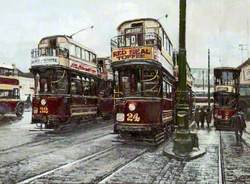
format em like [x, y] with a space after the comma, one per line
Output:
[133, 117]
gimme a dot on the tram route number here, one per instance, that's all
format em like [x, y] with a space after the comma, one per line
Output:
[44, 110]
[133, 117]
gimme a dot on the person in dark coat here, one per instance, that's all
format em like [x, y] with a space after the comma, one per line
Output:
[238, 124]
[208, 116]
[242, 122]
[202, 117]
[197, 116]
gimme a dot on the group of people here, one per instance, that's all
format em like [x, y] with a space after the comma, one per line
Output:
[202, 114]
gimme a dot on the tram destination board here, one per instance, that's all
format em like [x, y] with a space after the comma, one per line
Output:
[133, 53]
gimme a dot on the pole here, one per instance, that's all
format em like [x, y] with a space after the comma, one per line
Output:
[184, 141]
[208, 78]
[90, 27]
[203, 82]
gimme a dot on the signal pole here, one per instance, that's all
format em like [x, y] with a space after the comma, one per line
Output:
[185, 143]
[208, 78]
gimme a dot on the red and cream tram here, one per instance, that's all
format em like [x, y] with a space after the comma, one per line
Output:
[65, 74]
[226, 96]
[10, 102]
[144, 79]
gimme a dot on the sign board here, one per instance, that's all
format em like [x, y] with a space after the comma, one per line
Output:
[45, 60]
[83, 67]
[132, 53]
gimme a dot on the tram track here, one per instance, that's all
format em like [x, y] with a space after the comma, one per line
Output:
[222, 179]
[89, 158]
[51, 151]
[119, 168]
[85, 158]
[16, 162]
[49, 139]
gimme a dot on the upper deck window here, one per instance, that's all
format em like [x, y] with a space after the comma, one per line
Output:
[78, 52]
[6, 71]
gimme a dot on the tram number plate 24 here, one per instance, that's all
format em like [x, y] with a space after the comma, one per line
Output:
[44, 110]
[133, 117]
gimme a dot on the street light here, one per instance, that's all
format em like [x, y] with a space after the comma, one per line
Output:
[86, 28]
[185, 143]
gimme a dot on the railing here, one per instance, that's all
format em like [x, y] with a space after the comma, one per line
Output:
[135, 40]
[38, 52]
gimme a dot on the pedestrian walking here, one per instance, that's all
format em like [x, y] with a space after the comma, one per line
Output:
[208, 117]
[202, 117]
[242, 122]
[197, 116]
[238, 124]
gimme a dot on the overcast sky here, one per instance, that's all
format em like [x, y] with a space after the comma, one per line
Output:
[217, 24]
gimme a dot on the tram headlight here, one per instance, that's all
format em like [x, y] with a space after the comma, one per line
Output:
[131, 107]
[120, 117]
[43, 102]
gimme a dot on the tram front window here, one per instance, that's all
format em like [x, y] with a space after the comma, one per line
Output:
[225, 100]
[51, 81]
[139, 81]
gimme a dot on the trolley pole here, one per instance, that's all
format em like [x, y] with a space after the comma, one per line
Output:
[185, 143]
[208, 78]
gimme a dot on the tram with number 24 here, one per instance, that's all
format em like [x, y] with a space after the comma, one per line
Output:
[144, 89]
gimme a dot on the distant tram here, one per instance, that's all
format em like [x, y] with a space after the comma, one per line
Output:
[10, 102]
[143, 68]
[66, 82]
[226, 96]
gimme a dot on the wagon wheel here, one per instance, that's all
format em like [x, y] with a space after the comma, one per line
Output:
[19, 110]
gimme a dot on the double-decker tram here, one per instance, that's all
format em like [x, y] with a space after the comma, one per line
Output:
[226, 96]
[10, 102]
[143, 71]
[65, 74]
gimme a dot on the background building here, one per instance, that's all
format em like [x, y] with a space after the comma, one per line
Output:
[200, 86]
[26, 83]
[245, 87]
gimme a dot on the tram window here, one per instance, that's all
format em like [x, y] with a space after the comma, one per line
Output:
[86, 55]
[78, 52]
[60, 82]
[76, 86]
[164, 85]
[82, 54]
[72, 50]
[151, 82]
[86, 86]
[16, 93]
[127, 41]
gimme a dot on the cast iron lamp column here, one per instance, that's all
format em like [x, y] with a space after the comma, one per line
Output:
[185, 143]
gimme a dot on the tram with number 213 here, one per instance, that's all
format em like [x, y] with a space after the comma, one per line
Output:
[66, 82]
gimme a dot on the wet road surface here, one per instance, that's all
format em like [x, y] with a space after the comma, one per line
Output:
[89, 154]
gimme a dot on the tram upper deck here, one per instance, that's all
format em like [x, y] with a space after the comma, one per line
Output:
[142, 40]
[62, 50]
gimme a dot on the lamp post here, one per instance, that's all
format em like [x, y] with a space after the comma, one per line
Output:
[185, 143]
[208, 78]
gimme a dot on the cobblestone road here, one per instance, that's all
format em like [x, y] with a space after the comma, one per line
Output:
[91, 155]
